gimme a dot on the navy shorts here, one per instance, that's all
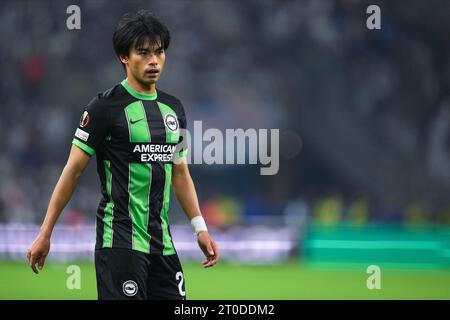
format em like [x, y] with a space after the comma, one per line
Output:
[128, 274]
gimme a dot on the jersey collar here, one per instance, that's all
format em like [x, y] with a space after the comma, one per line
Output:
[138, 95]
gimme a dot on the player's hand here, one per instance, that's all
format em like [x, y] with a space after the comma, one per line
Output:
[37, 252]
[209, 248]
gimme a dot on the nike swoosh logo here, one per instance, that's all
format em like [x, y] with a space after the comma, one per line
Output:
[135, 121]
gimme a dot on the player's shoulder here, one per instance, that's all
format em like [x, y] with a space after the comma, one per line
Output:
[169, 99]
[107, 97]
[111, 93]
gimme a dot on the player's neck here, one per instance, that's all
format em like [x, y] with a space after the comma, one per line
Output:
[139, 87]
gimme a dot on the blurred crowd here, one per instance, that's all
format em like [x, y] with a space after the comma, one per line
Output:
[364, 114]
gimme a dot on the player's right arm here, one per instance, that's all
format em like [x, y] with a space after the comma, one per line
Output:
[92, 130]
[77, 162]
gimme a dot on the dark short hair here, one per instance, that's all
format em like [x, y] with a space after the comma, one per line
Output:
[137, 28]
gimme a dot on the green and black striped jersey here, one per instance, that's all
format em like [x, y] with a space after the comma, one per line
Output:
[135, 137]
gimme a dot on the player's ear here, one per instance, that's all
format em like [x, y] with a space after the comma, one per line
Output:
[123, 58]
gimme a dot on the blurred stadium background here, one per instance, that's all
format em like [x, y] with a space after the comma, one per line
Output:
[364, 120]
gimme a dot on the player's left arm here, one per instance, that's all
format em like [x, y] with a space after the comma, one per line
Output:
[184, 189]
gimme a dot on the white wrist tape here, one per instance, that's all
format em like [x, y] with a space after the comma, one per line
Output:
[199, 224]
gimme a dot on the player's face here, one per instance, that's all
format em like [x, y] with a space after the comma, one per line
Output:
[146, 63]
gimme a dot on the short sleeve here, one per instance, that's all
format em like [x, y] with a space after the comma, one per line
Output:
[93, 127]
[182, 148]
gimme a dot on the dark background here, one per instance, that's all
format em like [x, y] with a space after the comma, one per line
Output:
[364, 115]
